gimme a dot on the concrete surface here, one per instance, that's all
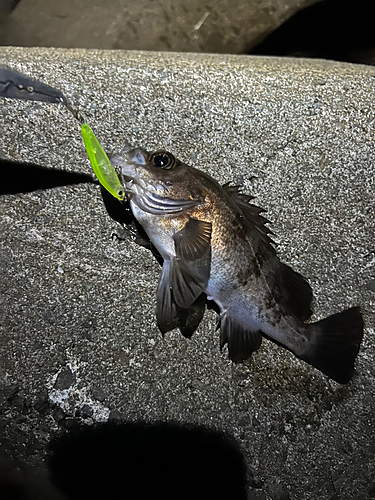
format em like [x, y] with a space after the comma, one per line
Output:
[79, 338]
[224, 26]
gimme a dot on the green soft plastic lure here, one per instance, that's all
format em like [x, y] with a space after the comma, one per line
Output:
[100, 163]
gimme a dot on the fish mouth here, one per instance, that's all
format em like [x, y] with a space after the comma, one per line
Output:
[128, 175]
[128, 183]
[132, 175]
[126, 180]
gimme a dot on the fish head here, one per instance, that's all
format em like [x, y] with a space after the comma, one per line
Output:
[158, 183]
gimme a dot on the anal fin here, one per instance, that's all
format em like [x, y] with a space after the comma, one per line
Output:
[241, 340]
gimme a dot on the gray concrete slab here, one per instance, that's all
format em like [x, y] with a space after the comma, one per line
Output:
[78, 326]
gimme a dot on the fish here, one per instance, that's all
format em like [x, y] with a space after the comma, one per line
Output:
[215, 245]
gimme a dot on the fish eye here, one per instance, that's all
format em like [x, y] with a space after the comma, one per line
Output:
[163, 159]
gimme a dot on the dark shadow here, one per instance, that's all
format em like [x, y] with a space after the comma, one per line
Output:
[330, 29]
[144, 461]
[26, 177]
[7, 6]
[21, 482]
[119, 211]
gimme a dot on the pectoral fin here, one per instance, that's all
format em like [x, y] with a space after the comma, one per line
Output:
[169, 315]
[190, 269]
[183, 279]
[187, 282]
[193, 241]
[193, 249]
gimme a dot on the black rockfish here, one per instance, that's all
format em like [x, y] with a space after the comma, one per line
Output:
[214, 242]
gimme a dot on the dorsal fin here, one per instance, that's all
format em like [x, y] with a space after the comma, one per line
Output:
[290, 289]
[293, 291]
[251, 214]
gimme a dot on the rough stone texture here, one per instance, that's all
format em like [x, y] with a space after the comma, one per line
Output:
[231, 26]
[79, 340]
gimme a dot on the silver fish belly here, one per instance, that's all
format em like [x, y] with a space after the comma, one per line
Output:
[215, 244]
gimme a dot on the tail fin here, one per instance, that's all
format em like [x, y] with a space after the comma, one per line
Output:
[335, 344]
